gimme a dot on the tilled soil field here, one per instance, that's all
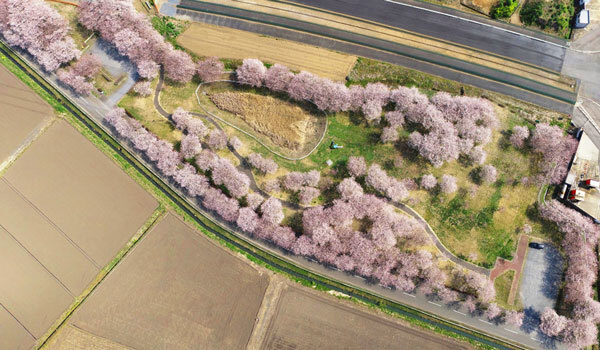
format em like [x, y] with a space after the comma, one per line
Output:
[175, 290]
[65, 212]
[304, 320]
[22, 112]
[209, 40]
[81, 191]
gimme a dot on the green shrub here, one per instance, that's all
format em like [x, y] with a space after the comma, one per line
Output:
[531, 12]
[504, 8]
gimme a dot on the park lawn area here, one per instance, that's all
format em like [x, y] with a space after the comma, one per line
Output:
[142, 109]
[502, 285]
[107, 83]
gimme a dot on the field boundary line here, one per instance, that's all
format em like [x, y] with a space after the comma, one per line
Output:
[52, 223]
[17, 320]
[156, 217]
[256, 251]
[31, 138]
[38, 261]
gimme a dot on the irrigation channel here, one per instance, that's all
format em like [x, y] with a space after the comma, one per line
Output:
[267, 255]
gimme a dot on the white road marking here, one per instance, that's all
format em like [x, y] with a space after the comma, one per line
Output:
[536, 339]
[484, 321]
[458, 312]
[473, 21]
[410, 295]
[436, 304]
[510, 330]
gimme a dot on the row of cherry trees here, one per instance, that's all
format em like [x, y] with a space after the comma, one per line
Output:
[328, 233]
[131, 33]
[79, 75]
[36, 27]
[579, 245]
[447, 125]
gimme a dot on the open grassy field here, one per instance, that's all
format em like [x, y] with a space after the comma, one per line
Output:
[176, 289]
[209, 40]
[23, 112]
[304, 320]
[502, 285]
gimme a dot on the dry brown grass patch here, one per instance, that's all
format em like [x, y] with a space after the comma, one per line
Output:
[286, 124]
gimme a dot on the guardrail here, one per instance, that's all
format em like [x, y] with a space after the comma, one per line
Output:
[258, 251]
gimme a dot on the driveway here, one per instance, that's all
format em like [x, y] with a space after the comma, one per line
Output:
[541, 278]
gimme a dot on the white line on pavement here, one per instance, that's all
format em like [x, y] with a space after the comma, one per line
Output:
[458, 312]
[536, 339]
[510, 330]
[473, 21]
[436, 304]
[410, 295]
[484, 321]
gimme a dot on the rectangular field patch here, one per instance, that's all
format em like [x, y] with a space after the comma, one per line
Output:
[22, 113]
[210, 40]
[175, 289]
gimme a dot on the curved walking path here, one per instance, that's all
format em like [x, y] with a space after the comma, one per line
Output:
[250, 135]
[245, 168]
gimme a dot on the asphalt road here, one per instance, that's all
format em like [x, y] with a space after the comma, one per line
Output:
[440, 23]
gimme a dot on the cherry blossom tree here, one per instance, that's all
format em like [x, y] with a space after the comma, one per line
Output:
[142, 88]
[488, 173]
[302, 86]
[210, 69]
[580, 334]
[247, 220]
[448, 184]
[278, 77]
[178, 66]
[252, 72]
[493, 311]
[87, 66]
[235, 143]
[77, 82]
[350, 189]
[394, 118]
[552, 324]
[513, 318]
[224, 173]
[264, 165]
[38, 28]
[556, 150]
[357, 166]
[225, 207]
[271, 210]
[217, 139]
[477, 155]
[389, 134]
[428, 181]
[377, 178]
[254, 200]
[519, 136]
[307, 195]
[272, 185]
[190, 146]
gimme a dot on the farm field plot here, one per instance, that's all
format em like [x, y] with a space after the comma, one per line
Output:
[210, 40]
[23, 111]
[61, 220]
[306, 321]
[78, 188]
[176, 289]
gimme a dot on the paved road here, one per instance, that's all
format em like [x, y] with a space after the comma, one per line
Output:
[365, 46]
[441, 23]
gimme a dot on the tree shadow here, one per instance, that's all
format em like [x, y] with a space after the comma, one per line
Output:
[553, 272]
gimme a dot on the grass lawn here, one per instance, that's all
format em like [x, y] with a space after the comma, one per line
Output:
[502, 285]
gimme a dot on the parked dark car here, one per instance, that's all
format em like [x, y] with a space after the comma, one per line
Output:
[536, 245]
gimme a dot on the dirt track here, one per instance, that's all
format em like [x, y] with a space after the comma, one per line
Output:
[176, 289]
